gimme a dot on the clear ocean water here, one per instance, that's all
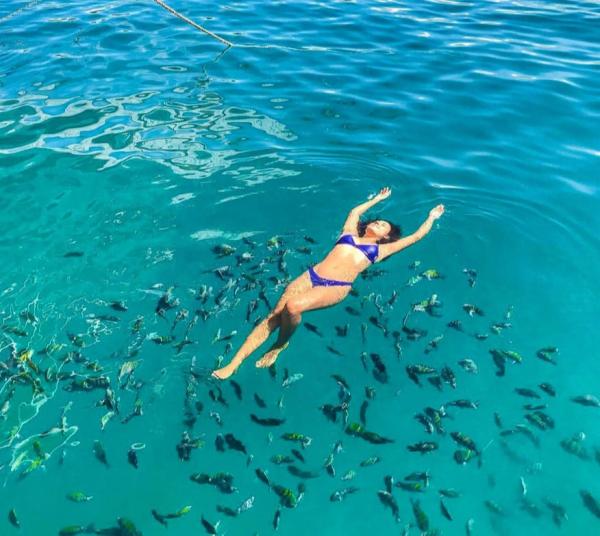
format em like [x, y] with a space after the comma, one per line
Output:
[132, 144]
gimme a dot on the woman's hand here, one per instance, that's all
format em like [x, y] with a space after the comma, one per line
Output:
[436, 212]
[384, 193]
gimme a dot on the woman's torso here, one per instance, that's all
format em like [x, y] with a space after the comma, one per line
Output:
[344, 262]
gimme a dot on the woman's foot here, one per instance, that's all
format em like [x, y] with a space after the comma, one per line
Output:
[270, 357]
[224, 372]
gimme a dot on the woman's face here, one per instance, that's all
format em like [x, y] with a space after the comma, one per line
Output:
[378, 229]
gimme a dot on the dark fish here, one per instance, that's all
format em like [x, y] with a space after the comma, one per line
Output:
[448, 376]
[545, 354]
[259, 401]
[363, 412]
[455, 324]
[559, 514]
[234, 443]
[313, 328]
[548, 389]
[333, 350]
[387, 499]
[423, 447]
[237, 389]
[449, 493]
[220, 443]
[587, 400]
[209, 527]
[262, 476]
[227, 511]
[528, 393]
[378, 324]
[352, 311]
[100, 453]
[388, 482]
[276, 519]
[14, 520]
[301, 473]
[73, 254]
[132, 457]
[269, 421]
[280, 459]
[341, 380]
[380, 371]
[342, 331]
[298, 455]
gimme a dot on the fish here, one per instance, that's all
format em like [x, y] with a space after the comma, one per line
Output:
[587, 400]
[469, 366]
[363, 412]
[559, 514]
[420, 516]
[340, 495]
[546, 354]
[227, 511]
[445, 511]
[455, 324]
[471, 309]
[72, 530]
[78, 497]
[100, 453]
[433, 344]
[279, 459]
[462, 403]
[222, 481]
[246, 505]
[472, 276]
[464, 441]
[574, 445]
[132, 457]
[208, 526]
[352, 311]
[262, 476]
[14, 520]
[292, 469]
[276, 519]
[311, 327]
[237, 389]
[387, 499]
[234, 443]
[286, 496]
[73, 254]
[334, 351]
[411, 486]
[268, 421]
[298, 455]
[304, 440]
[380, 371]
[423, 447]
[342, 331]
[448, 376]
[357, 430]
[368, 462]
[259, 401]
[449, 493]
[547, 388]
[528, 393]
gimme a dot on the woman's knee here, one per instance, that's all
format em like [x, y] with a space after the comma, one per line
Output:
[293, 307]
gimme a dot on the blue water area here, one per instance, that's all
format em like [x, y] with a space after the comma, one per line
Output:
[132, 145]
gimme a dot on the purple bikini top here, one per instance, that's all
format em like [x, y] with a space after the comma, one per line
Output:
[370, 250]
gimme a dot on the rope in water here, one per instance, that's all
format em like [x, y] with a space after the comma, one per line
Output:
[191, 22]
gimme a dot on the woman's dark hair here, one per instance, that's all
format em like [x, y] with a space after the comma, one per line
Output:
[394, 234]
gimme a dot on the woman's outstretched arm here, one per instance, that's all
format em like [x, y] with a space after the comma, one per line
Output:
[351, 225]
[385, 250]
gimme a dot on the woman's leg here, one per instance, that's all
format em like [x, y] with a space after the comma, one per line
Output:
[262, 331]
[291, 316]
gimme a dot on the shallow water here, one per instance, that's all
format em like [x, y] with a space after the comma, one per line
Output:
[132, 138]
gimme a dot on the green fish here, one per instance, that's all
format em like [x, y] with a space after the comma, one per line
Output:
[79, 496]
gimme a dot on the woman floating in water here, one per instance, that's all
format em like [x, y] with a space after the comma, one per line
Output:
[329, 281]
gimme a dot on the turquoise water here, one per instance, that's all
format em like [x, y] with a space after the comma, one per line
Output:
[138, 142]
